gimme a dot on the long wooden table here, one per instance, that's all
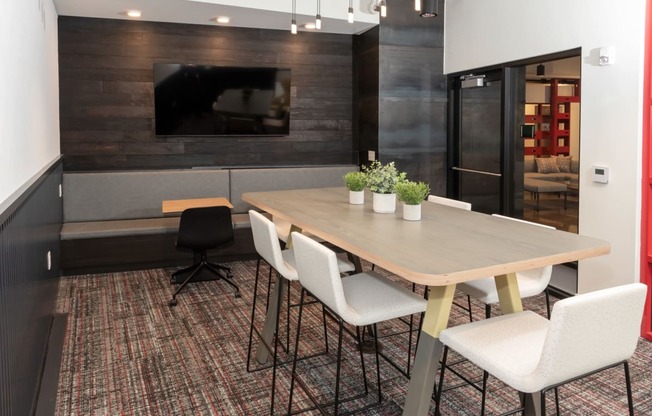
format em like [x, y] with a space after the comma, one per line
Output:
[446, 247]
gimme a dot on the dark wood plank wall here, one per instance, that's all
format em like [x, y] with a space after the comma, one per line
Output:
[401, 94]
[107, 94]
[413, 95]
[365, 70]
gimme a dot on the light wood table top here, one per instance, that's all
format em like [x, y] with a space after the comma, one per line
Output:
[447, 246]
[177, 206]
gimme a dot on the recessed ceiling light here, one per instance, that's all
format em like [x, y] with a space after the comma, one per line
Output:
[310, 26]
[133, 13]
[222, 19]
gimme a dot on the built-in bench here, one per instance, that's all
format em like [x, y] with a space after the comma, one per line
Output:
[113, 220]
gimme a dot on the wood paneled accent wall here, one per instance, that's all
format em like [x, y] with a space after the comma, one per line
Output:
[409, 105]
[107, 94]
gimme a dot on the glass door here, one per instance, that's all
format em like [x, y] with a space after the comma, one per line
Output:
[477, 159]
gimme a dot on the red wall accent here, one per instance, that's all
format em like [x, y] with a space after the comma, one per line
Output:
[646, 213]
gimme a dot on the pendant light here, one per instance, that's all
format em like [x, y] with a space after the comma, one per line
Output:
[429, 8]
[351, 11]
[417, 5]
[318, 17]
[383, 8]
[293, 28]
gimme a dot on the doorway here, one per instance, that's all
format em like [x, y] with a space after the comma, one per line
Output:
[489, 143]
[492, 153]
[552, 111]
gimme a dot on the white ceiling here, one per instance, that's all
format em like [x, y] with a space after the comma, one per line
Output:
[264, 14]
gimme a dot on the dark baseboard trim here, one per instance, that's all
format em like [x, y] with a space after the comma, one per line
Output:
[47, 394]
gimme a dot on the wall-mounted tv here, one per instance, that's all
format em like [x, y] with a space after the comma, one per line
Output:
[203, 100]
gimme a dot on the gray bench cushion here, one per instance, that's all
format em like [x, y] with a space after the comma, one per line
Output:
[111, 204]
[99, 229]
[98, 196]
[275, 179]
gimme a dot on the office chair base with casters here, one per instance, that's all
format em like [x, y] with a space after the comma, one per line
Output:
[212, 267]
[181, 275]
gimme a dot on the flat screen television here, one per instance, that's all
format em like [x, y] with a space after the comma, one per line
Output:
[203, 100]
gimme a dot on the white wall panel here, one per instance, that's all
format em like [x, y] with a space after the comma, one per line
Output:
[483, 33]
[29, 91]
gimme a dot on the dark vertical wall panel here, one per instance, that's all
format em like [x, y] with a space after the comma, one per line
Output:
[28, 229]
[107, 94]
[413, 94]
[365, 66]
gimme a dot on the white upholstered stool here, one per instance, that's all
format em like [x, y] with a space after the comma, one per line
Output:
[585, 334]
[363, 299]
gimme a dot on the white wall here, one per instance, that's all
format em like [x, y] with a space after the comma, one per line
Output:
[482, 33]
[29, 91]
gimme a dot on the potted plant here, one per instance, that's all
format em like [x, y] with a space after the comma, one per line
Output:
[381, 180]
[412, 195]
[355, 182]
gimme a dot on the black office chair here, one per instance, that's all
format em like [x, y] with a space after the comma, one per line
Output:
[202, 229]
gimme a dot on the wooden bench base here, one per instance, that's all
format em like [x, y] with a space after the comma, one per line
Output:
[139, 252]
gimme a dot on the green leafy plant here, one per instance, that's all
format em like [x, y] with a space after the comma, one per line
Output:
[355, 181]
[382, 178]
[412, 193]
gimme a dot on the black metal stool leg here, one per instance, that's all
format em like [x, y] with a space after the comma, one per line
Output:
[628, 384]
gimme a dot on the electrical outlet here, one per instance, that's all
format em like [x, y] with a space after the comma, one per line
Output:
[371, 155]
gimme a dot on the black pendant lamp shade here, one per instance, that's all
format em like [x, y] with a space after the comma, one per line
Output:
[429, 8]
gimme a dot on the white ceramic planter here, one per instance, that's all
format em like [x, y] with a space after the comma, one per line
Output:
[384, 203]
[356, 197]
[412, 212]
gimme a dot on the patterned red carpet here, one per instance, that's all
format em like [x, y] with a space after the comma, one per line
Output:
[127, 353]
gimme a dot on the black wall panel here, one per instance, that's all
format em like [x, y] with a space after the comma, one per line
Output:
[401, 94]
[28, 290]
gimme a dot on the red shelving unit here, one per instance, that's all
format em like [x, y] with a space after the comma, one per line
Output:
[560, 114]
[536, 145]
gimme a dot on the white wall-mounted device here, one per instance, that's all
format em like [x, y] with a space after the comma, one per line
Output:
[607, 56]
[600, 174]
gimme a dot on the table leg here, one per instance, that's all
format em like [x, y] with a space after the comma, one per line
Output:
[422, 381]
[275, 302]
[510, 302]
[293, 228]
[531, 403]
[356, 262]
[262, 355]
[508, 294]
